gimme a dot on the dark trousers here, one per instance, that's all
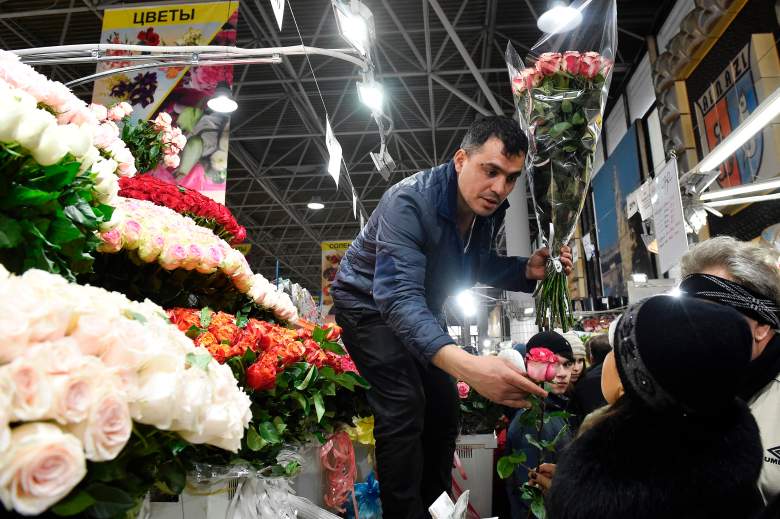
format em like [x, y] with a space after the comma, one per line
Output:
[415, 416]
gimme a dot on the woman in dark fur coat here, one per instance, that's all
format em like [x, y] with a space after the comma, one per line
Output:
[676, 443]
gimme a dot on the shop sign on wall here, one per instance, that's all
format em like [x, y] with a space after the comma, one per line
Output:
[728, 100]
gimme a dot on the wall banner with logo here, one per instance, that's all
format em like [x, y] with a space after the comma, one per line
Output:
[180, 91]
[738, 72]
[332, 253]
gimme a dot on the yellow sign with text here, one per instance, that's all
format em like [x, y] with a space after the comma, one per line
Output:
[140, 16]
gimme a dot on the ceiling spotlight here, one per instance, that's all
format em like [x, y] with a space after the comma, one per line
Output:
[356, 24]
[222, 101]
[316, 204]
[467, 304]
[372, 95]
[559, 18]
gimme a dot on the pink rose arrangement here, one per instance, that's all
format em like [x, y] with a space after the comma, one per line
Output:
[159, 234]
[173, 140]
[559, 99]
[541, 364]
[463, 390]
[154, 142]
[68, 108]
[80, 366]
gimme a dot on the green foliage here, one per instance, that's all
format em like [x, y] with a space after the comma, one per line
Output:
[144, 142]
[48, 214]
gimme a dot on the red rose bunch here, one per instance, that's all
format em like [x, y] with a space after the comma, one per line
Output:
[276, 348]
[202, 209]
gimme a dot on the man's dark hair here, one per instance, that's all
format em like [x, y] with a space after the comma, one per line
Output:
[598, 347]
[504, 128]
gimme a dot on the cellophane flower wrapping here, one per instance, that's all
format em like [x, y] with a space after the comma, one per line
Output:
[560, 92]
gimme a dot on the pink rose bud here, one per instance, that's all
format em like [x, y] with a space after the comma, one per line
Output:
[112, 241]
[132, 234]
[194, 257]
[571, 62]
[105, 134]
[115, 113]
[150, 248]
[126, 169]
[541, 364]
[163, 119]
[173, 257]
[532, 78]
[548, 63]
[126, 107]
[180, 141]
[100, 111]
[463, 390]
[590, 64]
[171, 161]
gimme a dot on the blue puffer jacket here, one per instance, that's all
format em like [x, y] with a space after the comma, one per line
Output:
[409, 258]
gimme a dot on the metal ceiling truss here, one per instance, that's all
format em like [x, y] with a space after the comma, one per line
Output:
[441, 66]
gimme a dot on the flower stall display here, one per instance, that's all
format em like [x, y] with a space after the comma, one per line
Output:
[199, 267]
[301, 384]
[51, 203]
[202, 209]
[560, 99]
[78, 367]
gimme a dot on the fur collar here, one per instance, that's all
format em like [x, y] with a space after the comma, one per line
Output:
[644, 465]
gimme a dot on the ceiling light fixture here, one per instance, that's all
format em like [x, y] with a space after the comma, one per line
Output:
[222, 101]
[559, 18]
[743, 200]
[356, 24]
[742, 190]
[371, 94]
[316, 204]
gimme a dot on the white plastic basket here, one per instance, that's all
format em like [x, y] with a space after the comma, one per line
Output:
[476, 457]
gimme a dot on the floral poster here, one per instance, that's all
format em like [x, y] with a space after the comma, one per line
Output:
[182, 92]
[332, 253]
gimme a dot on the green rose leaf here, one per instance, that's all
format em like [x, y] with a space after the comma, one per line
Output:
[74, 504]
[280, 425]
[558, 129]
[319, 405]
[199, 361]
[578, 119]
[309, 376]
[566, 106]
[109, 501]
[334, 347]
[24, 196]
[530, 439]
[319, 335]
[205, 317]
[505, 467]
[193, 332]
[254, 441]
[173, 475]
[269, 433]
[537, 507]
[10, 232]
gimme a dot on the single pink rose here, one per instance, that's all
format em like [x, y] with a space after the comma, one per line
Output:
[126, 169]
[105, 134]
[112, 241]
[126, 107]
[171, 161]
[116, 113]
[172, 257]
[549, 63]
[541, 364]
[463, 390]
[132, 234]
[100, 111]
[590, 64]
[150, 249]
[163, 120]
[571, 62]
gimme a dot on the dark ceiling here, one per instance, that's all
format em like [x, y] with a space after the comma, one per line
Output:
[277, 153]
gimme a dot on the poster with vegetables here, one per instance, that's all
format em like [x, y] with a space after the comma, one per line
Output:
[182, 92]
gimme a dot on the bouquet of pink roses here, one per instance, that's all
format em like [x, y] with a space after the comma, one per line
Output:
[560, 98]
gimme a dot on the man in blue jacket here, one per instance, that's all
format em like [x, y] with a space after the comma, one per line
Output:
[431, 236]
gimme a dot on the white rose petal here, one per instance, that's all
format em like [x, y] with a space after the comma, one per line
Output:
[31, 127]
[41, 466]
[107, 429]
[51, 147]
[32, 393]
